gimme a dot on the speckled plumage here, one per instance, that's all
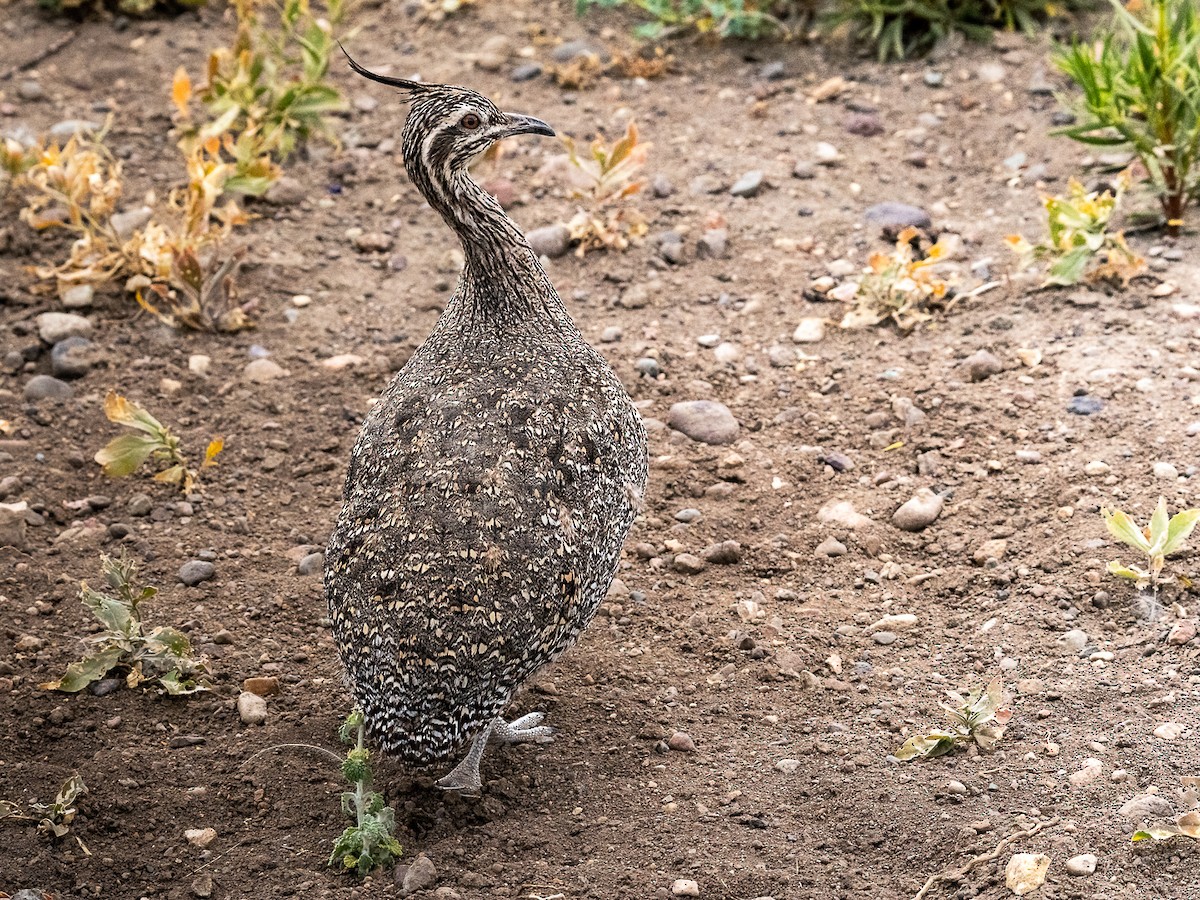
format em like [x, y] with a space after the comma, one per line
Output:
[493, 484]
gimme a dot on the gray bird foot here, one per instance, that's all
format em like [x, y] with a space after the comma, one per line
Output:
[464, 778]
[527, 728]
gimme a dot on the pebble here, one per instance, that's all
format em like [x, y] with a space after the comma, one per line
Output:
[251, 708]
[726, 553]
[748, 185]
[727, 352]
[648, 366]
[688, 564]
[884, 637]
[139, 505]
[705, 421]
[685, 887]
[551, 241]
[688, 515]
[263, 685]
[196, 571]
[126, 222]
[200, 837]
[1182, 633]
[781, 357]
[933, 79]
[1097, 467]
[831, 546]
[78, 296]
[1144, 807]
[894, 622]
[1092, 770]
[809, 331]
[864, 125]
[71, 358]
[713, 243]
[919, 512]
[773, 71]
[569, 50]
[374, 242]
[981, 365]
[1026, 872]
[682, 742]
[804, 170]
[1169, 731]
[788, 766]
[1074, 640]
[199, 364]
[420, 875]
[1084, 405]
[47, 387]
[58, 326]
[526, 72]
[991, 73]
[286, 191]
[261, 370]
[1165, 471]
[1082, 865]
[31, 90]
[895, 217]
[312, 564]
[706, 184]
[990, 550]
[662, 186]
[843, 513]
[68, 128]
[611, 334]
[826, 153]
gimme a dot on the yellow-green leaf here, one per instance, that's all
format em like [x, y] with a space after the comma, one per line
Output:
[1180, 530]
[125, 454]
[1125, 530]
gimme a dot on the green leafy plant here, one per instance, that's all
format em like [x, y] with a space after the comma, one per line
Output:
[1140, 85]
[902, 286]
[978, 717]
[900, 28]
[604, 178]
[1185, 825]
[270, 88]
[1079, 237]
[370, 842]
[54, 819]
[1163, 536]
[750, 19]
[162, 657]
[124, 455]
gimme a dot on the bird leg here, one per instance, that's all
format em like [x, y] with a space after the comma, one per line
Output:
[464, 777]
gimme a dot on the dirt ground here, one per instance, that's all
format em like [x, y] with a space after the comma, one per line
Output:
[794, 704]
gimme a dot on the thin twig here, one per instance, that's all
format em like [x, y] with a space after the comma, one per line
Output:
[41, 56]
[957, 874]
[320, 751]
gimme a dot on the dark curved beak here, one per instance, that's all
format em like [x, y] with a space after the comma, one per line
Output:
[519, 124]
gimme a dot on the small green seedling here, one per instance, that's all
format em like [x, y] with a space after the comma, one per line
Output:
[54, 819]
[1162, 537]
[370, 841]
[1186, 825]
[980, 717]
[162, 657]
[1079, 236]
[124, 455]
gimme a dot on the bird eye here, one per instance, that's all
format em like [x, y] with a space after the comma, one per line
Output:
[470, 121]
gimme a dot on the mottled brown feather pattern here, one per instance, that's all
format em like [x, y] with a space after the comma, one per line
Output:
[492, 485]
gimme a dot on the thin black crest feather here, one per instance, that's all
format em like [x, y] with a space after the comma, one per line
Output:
[413, 87]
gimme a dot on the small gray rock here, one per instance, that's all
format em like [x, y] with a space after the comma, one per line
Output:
[884, 637]
[933, 79]
[895, 217]
[713, 243]
[78, 296]
[58, 326]
[550, 241]
[196, 571]
[662, 186]
[726, 553]
[260, 370]
[312, 564]
[981, 365]
[31, 90]
[831, 546]
[286, 191]
[71, 358]
[139, 505]
[919, 512]
[748, 185]
[706, 184]
[648, 366]
[66, 129]
[420, 875]
[688, 515]
[864, 125]
[772, 71]
[12, 524]
[1146, 807]
[126, 222]
[705, 421]
[526, 72]
[570, 50]
[251, 708]
[46, 387]
[689, 564]
[1082, 865]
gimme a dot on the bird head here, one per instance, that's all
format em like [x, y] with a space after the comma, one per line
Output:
[448, 127]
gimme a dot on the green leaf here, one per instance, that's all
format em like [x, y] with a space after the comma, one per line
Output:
[1124, 530]
[125, 454]
[935, 743]
[1159, 526]
[1133, 573]
[82, 673]
[1180, 530]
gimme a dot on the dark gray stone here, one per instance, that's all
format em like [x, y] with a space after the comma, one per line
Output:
[71, 358]
[196, 571]
[45, 387]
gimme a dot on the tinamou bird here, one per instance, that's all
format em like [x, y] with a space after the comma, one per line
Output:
[491, 487]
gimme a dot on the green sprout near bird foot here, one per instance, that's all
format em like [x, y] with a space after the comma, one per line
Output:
[370, 842]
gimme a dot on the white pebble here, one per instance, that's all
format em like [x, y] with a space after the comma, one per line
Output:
[685, 887]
